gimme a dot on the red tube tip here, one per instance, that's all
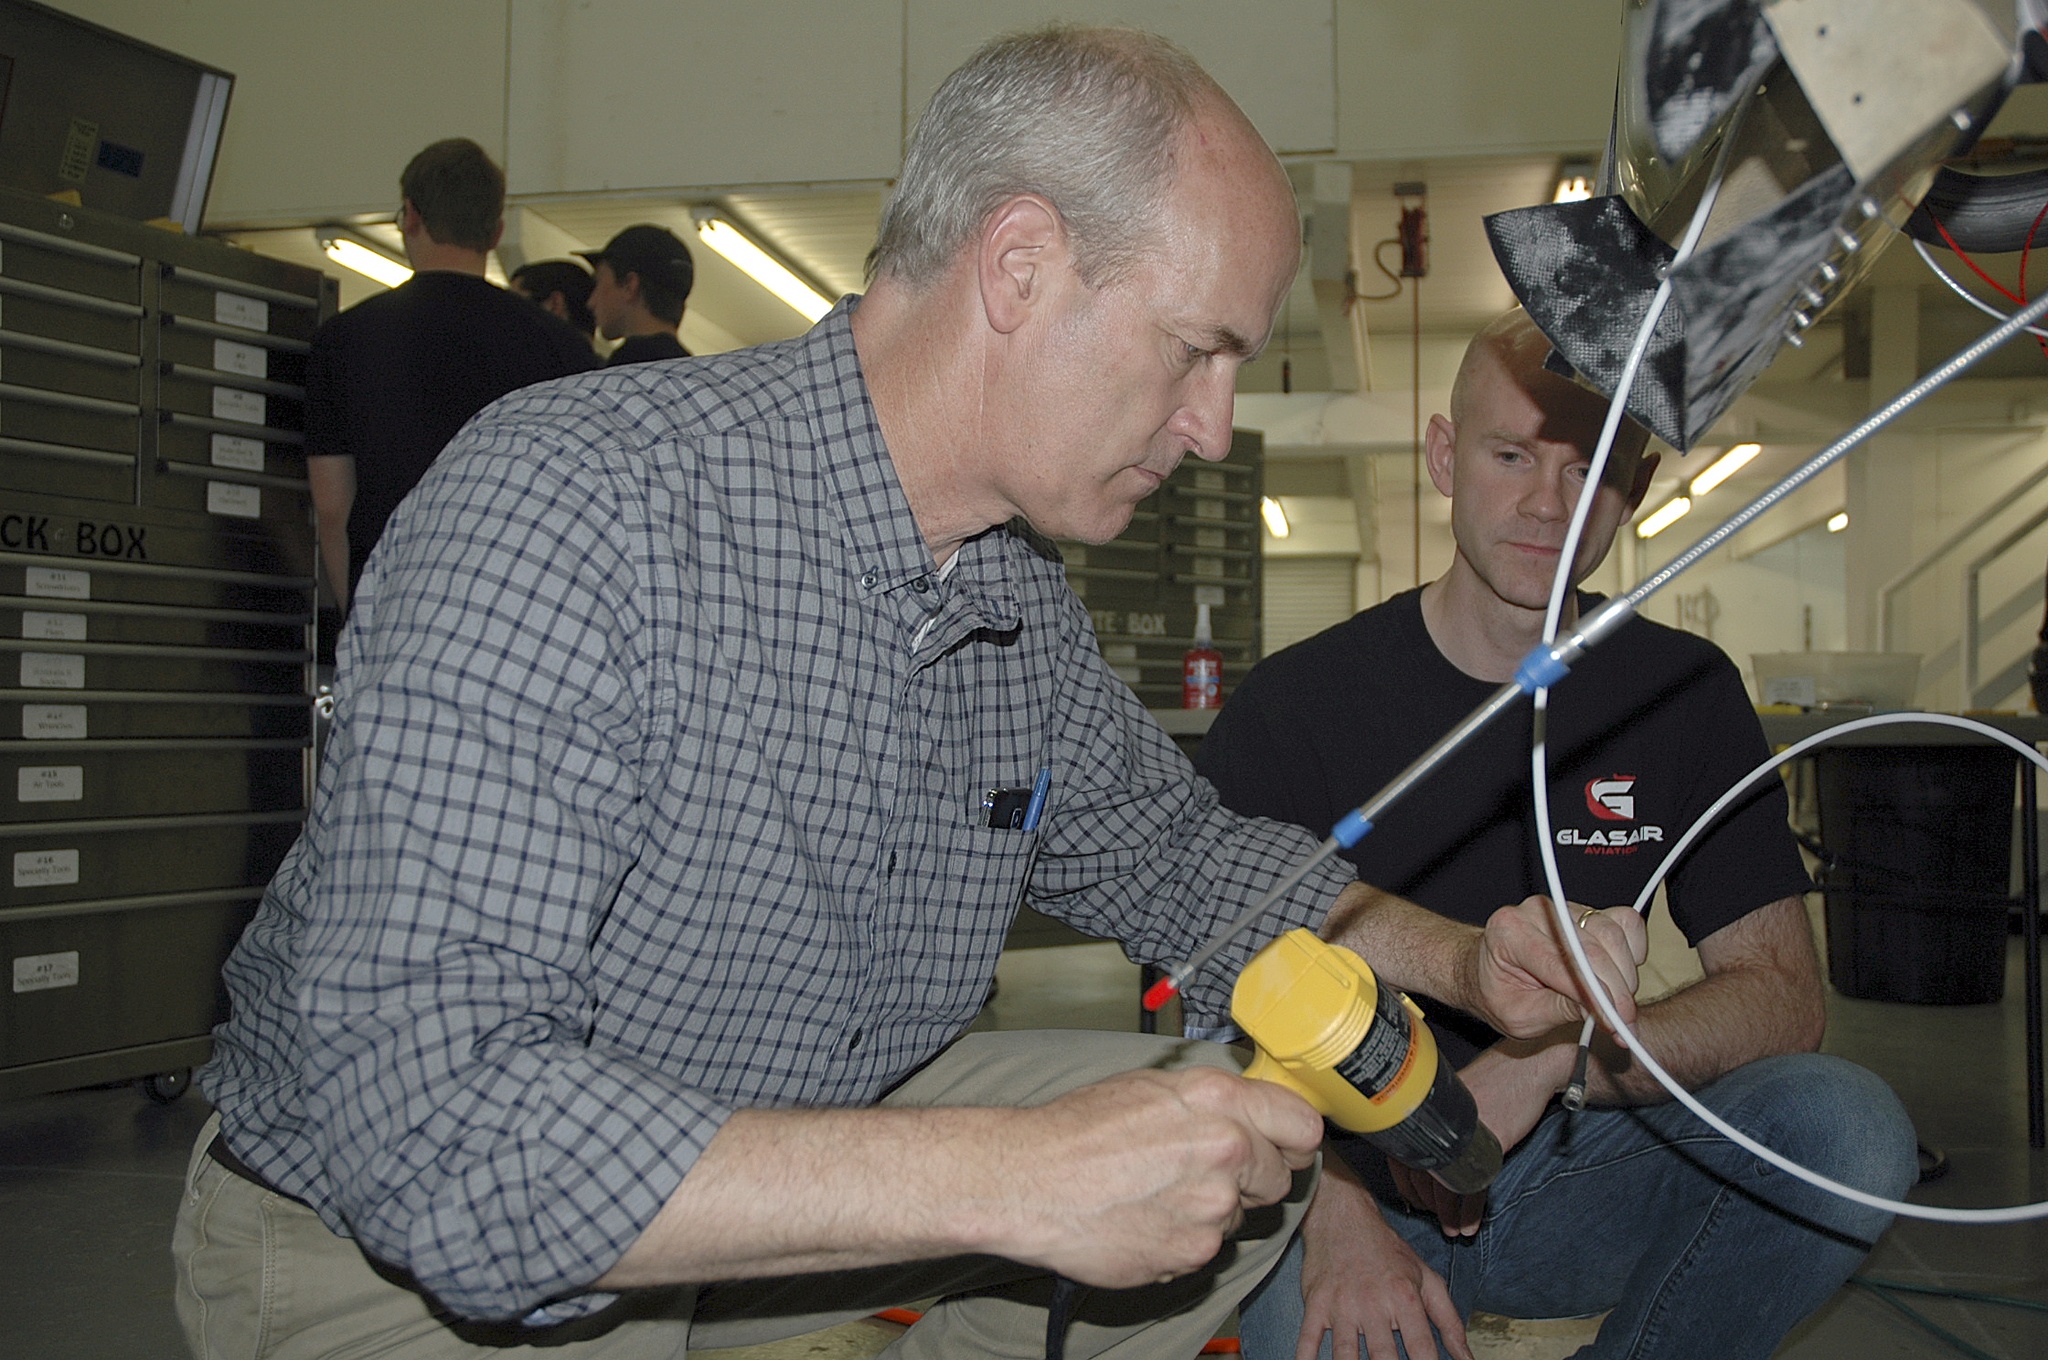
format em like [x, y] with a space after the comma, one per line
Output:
[1160, 992]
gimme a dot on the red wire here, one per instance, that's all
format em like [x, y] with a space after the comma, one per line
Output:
[2018, 300]
[1963, 255]
[2028, 248]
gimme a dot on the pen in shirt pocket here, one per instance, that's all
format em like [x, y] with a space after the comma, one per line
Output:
[1033, 810]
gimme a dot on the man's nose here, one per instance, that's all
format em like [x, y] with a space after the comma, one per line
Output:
[1551, 497]
[1204, 418]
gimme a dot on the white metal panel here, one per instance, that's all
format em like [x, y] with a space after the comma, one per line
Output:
[637, 94]
[1475, 77]
[1275, 57]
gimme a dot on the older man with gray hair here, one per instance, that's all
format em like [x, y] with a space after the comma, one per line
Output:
[612, 999]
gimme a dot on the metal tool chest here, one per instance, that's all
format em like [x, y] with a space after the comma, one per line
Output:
[157, 579]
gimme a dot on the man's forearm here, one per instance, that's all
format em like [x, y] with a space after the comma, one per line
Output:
[1408, 946]
[1124, 1182]
[783, 1192]
[1700, 1034]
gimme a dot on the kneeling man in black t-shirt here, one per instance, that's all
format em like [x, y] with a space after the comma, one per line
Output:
[1632, 1205]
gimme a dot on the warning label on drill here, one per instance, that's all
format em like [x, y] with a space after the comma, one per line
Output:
[1377, 1065]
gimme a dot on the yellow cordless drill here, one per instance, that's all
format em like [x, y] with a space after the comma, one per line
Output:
[1362, 1055]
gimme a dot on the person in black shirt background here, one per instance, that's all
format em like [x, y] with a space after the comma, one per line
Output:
[560, 288]
[1698, 1248]
[393, 378]
[641, 280]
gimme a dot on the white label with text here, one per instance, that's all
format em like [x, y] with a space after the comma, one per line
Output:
[232, 498]
[251, 361]
[46, 972]
[238, 452]
[232, 309]
[54, 583]
[53, 722]
[49, 783]
[47, 627]
[52, 670]
[45, 869]
[232, 403]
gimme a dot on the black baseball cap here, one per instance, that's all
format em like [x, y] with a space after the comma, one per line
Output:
[651, 252]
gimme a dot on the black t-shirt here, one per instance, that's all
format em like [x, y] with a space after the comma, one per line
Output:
[641, 349]
[1650, 727]
[394, 377]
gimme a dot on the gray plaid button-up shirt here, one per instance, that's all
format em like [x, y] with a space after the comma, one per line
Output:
[654, 792]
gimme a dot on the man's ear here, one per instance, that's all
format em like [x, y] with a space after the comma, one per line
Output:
[1439, 442]
[1019, 246]
[1646, 468]
[629, 284]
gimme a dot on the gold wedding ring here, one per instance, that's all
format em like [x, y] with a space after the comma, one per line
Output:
[1588, 914]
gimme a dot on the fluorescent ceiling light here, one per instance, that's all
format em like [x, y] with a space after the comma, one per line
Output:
[1838, 522]
[1671, 512]
[1724, 467]
[1574, 182]
[350, 253]
[1275, 516]
[763, 268]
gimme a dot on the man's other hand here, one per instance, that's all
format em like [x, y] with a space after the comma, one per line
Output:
[1522, 977]
[1138, 1179]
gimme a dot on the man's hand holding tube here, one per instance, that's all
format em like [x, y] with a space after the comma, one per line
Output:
[1514, 974]
[1522, 973]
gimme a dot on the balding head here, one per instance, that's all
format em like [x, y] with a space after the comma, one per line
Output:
[1089, 119]
[1511, 350]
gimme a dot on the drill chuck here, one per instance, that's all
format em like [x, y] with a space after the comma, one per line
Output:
[1362, 1055]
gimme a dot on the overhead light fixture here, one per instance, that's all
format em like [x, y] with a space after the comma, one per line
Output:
[1838, 521]
[1574, 182]
[352, 252]
[758, 265]
[1724, 467]
[1667, 515]
[1274, 515]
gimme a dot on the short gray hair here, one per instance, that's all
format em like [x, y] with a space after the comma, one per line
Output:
[1086, 118]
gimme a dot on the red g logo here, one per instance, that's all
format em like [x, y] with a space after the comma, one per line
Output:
[1609, 799]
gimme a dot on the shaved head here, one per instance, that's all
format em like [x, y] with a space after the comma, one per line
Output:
[1511, 350]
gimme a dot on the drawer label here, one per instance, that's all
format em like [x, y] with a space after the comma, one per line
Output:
[50, 783]
[44, 869]
[53, 722]
[232, 403]
[54, 583]
[47, 627]
[238, 452]
[232, 498]
[251, 361]
[52, 670]
[232, 309]
[46, 972]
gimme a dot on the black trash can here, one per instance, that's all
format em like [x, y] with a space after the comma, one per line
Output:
[1919, 844]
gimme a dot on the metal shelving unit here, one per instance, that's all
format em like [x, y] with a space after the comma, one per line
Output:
[1196, 542]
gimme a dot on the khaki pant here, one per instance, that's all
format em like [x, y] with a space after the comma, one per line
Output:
[261, 1278]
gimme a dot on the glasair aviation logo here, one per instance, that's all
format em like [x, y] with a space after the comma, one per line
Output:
[1610, 798]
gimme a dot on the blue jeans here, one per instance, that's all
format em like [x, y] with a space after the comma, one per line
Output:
[1699, 1248]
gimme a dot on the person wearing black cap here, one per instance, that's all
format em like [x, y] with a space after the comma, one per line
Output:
[561, 288]
[642, 279]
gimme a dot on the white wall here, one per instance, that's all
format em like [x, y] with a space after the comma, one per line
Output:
[620, 95]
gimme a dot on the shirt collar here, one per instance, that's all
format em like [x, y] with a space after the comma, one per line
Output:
[886, 554]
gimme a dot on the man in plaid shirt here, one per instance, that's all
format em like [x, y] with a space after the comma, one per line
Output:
[611, 999]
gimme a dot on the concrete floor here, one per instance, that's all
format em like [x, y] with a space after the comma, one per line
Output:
[89, 1186]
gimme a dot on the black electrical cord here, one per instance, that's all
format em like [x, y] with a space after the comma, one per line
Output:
[1883, 1291]
[1059, 1315]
